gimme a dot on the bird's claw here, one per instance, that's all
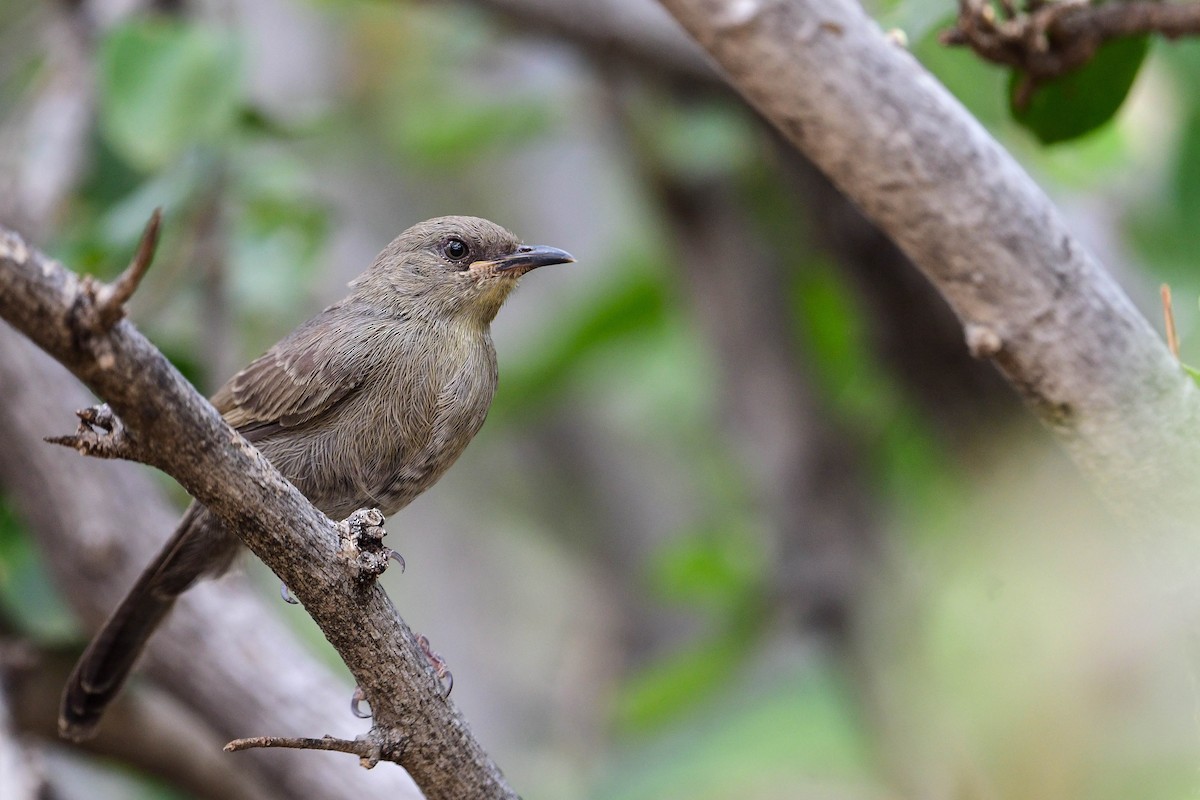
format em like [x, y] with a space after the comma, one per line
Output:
[399, 559]
[444, 676]
[286, 594]
[356, 701]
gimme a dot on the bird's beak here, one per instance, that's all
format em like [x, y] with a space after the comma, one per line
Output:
[527, 257]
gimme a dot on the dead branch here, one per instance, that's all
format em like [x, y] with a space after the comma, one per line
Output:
[100, 434]
[1048, 40]
[110, 299]
[369, 748]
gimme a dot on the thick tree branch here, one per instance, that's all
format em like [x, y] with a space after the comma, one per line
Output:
[895, 141]
[1052, 39]
[179, 432]
[146, 729]
[910, 326]
[97, 524]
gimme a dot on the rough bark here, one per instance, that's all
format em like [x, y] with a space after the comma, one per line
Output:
[99, 523]
[1029, 296]
[167, 424]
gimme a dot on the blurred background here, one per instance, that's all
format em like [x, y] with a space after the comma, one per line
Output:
[745, 520]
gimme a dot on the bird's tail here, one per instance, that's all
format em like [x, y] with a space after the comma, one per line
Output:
[199, 546]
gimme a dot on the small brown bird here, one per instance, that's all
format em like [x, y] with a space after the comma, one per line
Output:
[365, 405]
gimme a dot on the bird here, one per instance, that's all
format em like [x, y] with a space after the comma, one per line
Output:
[365, 405]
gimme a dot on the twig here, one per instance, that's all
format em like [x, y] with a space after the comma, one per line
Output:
[112, 440]
[1050, 39]
[111, 298]
[1169, 320]
[368, 748]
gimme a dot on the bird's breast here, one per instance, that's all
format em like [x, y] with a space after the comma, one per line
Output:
[433, 398]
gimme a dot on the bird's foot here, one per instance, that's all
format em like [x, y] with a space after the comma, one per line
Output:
[361, 536]
[444, 676]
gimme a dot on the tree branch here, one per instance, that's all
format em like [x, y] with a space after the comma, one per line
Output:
[634, 31]
[146, 729]
[97, 525]
[367, 749]
[902, 148]
[180, 433]
[1051, 39]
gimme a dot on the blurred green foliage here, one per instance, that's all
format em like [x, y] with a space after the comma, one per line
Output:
[28, 600]
[166, 85]
[778, 736]
[715, 715]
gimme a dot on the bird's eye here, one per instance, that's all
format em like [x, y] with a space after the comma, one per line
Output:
[455, 249]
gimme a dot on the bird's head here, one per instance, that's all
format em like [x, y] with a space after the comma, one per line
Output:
[453, 267]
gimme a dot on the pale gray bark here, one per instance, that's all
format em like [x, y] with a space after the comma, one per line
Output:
[927, 173]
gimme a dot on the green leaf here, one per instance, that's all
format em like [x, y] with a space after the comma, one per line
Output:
[1074, 104]
[1193, 372]
[166, 86]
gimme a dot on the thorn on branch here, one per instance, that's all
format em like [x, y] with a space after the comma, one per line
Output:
[361, 538]
[100, 434]
[371, 748]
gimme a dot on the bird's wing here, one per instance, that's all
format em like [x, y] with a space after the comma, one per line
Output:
[305, 375]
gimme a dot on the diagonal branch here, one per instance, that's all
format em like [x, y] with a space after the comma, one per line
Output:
[1033, 299]
[179, 432]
